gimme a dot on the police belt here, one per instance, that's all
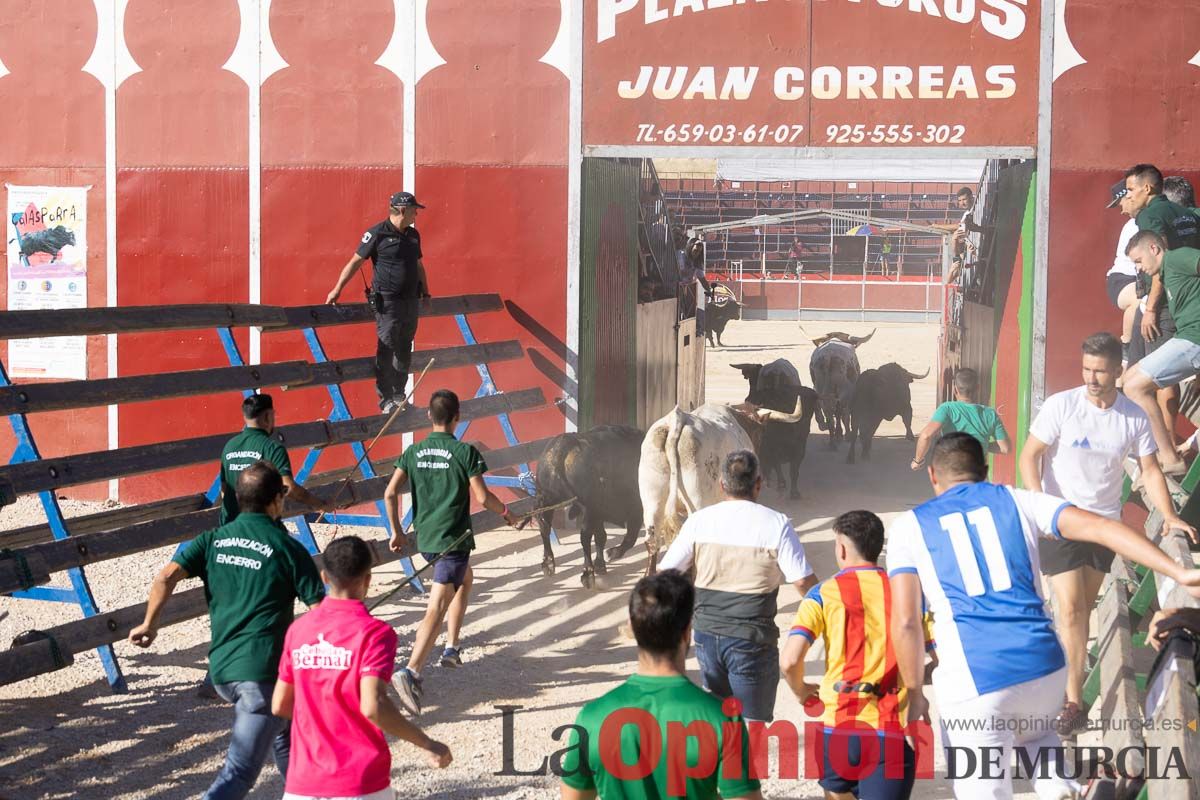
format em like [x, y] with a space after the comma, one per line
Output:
[841, 687]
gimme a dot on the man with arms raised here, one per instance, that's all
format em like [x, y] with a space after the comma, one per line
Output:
[1076, 449]
[972, 553]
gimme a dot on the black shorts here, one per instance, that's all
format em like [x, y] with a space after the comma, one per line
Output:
[890, 775]
[1139, 348]
[1115, 283]
[1061, 555]
[450, 568]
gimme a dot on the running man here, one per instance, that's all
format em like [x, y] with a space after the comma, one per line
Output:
[1076, 449]
[972, 552]
[963, 414]
[446, 475]
[333, 678]
[861, 690]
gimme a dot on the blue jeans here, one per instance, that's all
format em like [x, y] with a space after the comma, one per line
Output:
[733, 667]
[255, 730]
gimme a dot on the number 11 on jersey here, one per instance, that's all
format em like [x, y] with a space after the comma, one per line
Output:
[955, 525]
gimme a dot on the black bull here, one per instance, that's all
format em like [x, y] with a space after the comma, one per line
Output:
[600, 469]
[716, 317]
[782, 442]
[880, 394]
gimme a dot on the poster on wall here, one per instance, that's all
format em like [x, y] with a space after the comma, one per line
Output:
[810, 73]
[46, 230]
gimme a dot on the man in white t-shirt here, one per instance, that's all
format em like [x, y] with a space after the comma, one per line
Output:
[742, 552]
[1076, 449]
[971, 554]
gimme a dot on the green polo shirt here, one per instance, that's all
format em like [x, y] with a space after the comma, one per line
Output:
[978, 420]
[252, 444]
[440, 470]
[667, 699]
[253, 571]
[1175, 223]
[1183, 291]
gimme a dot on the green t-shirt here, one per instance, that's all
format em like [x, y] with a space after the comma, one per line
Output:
[252, 444]
[1183, 291]
[1175, 223]
[667, 699]
[253, 571]
[440, 470]
[980, 421]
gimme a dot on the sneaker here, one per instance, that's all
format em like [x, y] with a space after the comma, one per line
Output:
[451, 657]
[1070, 720]
[392, 406]
[408, 686]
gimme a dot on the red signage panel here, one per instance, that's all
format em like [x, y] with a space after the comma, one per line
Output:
[822, 73]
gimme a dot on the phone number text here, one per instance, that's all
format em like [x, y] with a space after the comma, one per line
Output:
[719, 134]
[895, 134]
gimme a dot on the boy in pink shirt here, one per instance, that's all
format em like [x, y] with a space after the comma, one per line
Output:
[333, 679]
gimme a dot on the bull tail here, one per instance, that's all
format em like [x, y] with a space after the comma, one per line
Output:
[675, 491]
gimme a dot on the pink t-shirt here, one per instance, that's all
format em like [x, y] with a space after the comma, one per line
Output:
[336, 751]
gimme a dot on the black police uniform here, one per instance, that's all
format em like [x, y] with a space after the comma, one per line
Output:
[396, 285]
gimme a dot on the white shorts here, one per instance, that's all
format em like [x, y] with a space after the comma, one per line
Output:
[382, 794]
[1017, 717]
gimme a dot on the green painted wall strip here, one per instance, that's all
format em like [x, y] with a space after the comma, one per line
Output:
[1025, 321]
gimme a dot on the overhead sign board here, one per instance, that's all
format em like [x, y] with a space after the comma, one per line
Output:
[810, 73]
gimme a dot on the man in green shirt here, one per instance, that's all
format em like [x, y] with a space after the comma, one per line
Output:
[963, 414]
[253, 571]
[446, 476]
[660, 697]
[1178, 358]
[255, 443]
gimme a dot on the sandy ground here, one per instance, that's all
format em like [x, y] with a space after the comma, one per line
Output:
[543, 644]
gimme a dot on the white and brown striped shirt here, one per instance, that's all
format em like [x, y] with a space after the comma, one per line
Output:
[742, 551]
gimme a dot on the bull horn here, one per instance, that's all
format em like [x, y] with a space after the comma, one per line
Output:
[917, 377]
[770, 415]
[857, 340]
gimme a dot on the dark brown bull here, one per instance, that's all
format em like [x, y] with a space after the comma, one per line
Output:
[599, 468]
[777, 386]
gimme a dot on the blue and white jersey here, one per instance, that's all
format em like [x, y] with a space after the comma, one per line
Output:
[975, 551]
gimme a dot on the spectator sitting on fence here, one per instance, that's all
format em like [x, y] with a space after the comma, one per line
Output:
[253, 571]
[256, 443]
[1121, 280]
[333, 679]
[1179, 357]
[445, 474]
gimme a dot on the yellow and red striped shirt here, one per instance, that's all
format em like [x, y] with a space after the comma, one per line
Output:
[850, 612]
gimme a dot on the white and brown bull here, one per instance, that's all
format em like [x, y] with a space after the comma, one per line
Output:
[681, 461]
[834, 370]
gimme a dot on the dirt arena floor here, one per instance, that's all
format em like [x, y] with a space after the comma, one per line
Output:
[545, 645]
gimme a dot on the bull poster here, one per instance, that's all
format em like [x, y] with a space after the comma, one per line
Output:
[46, 229]
[810, 73]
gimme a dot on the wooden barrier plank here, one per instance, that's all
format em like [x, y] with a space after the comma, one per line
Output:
[1119, 693]
[29, 398]
[29, 660]
[321, 316]
[135, 319]
[1177, 708]
[106, 520]
[55, 473]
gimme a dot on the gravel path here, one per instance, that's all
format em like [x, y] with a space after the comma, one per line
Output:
[544, 644]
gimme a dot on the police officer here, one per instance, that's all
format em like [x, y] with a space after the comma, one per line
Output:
[394, 247]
